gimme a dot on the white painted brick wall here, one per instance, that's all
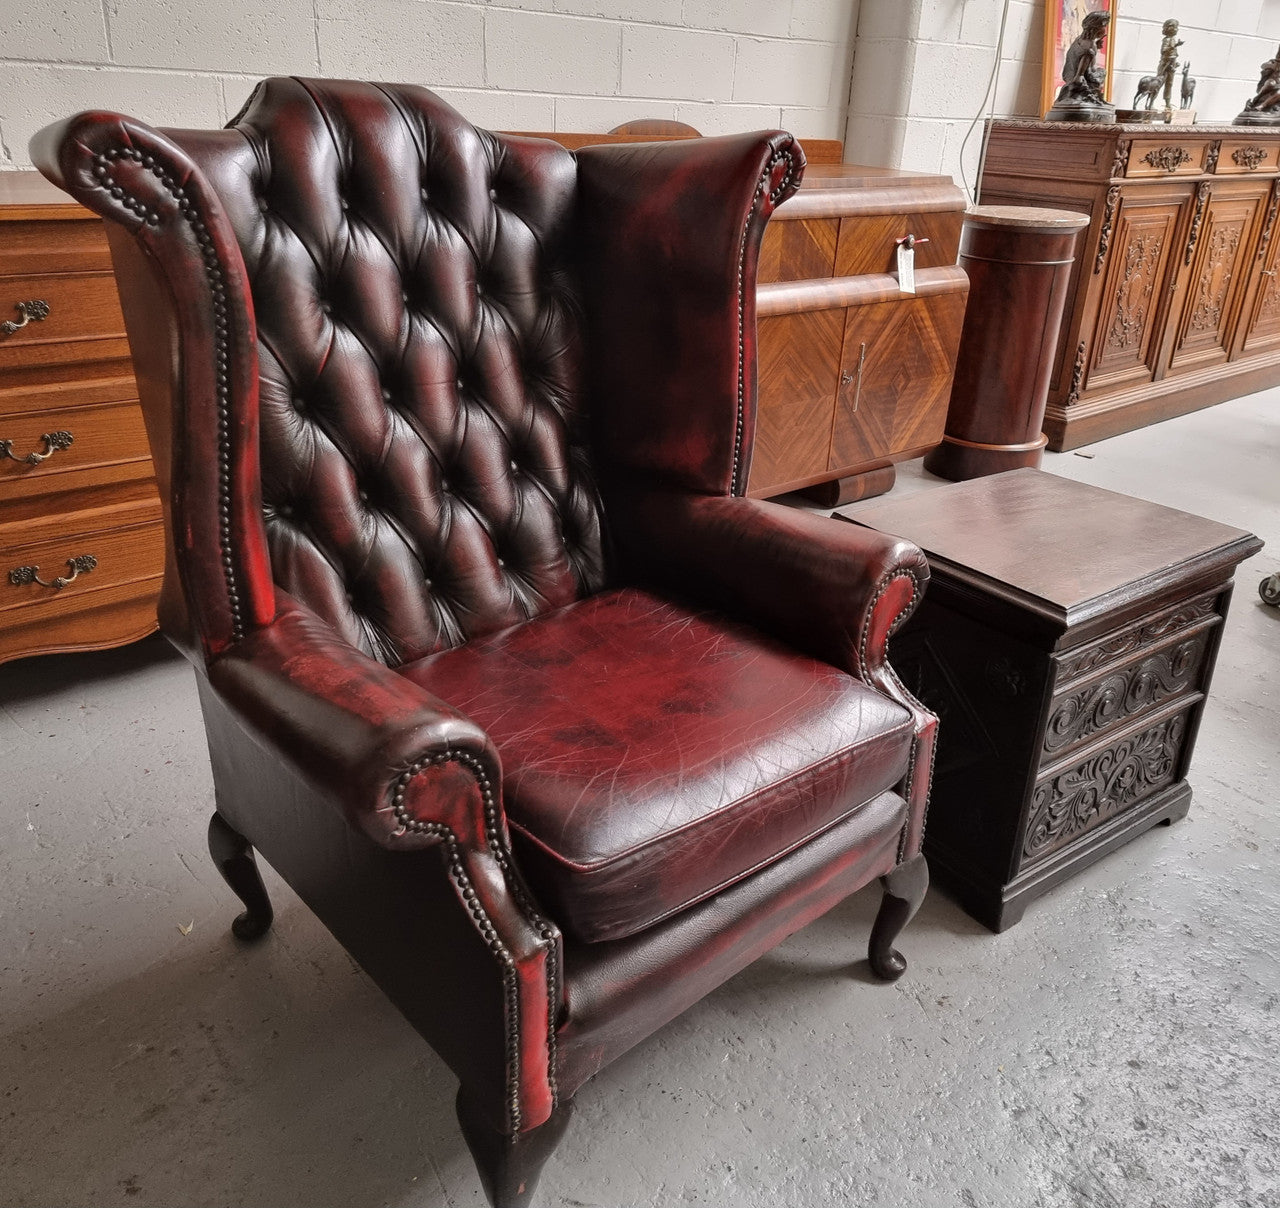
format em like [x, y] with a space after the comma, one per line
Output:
[921, 68]
[721, 65]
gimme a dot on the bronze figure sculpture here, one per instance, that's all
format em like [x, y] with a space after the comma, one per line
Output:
[1080, 98]
[1263, 108]
[1188, 86]
[1168, 66]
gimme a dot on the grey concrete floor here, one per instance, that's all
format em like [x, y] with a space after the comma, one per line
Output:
[1118, 1049]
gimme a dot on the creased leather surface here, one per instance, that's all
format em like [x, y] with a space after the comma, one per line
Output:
[652, 754]
[420, 360]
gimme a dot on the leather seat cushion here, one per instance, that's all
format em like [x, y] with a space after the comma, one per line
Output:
[653, 755]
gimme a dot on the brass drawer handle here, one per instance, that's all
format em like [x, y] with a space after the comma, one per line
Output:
[81, 564]
[36, 310]
[53, 442]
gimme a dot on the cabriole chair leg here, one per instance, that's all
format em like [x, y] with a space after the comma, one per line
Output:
[234, 857]
[510, 1166]
[904, 890]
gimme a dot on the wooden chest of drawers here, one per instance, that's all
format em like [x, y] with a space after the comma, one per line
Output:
[854, 374]
[81, 541]
[1066, 642]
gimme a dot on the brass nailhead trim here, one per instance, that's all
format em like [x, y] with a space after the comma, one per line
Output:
[511, 992]
[221, 343]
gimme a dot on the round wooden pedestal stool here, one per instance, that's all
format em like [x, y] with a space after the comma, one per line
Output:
[1019, 264]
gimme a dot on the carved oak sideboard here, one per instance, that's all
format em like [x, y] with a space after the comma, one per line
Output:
[1068, 651]
[81, 547]
[1174, 303]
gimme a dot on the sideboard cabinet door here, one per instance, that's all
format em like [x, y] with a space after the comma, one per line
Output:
[1218, 255]
[895, 381]
[1141, 275]
[799, 361]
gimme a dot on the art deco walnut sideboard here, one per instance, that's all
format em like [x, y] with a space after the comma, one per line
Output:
[81, 548]
[1173, 303]
[854, 373]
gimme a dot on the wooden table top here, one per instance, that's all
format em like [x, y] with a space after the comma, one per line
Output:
[1050, 539]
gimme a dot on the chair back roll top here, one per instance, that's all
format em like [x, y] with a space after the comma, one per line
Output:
[424, 471]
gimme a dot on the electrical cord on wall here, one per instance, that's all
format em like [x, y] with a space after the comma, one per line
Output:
[989, 104]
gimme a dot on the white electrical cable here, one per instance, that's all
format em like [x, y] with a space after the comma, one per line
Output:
[988, 103]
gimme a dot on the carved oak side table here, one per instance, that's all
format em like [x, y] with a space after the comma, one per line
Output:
[1066, 642]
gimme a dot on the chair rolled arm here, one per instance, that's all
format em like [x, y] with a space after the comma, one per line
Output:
[410, 772]
[835, 590]
[407, 768]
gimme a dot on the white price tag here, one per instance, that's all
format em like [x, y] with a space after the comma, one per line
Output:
[906, 267]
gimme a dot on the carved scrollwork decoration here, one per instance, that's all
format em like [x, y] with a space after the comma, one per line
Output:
[1103, 786]
[1077, 375]
[1215, 279]
[1120, 165]
[1168, 158]
[1005, 678]
[1136, 638]
[1249, 157]
[1270, 221]
[1193, 236]
[1134, 291]
[1124, 693]
[1211, 159]
[1104, 235]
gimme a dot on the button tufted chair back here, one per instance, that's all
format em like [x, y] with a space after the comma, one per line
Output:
[424, 478]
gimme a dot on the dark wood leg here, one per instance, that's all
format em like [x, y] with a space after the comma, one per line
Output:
[509, 1166]
[904, 890]
[234, 857]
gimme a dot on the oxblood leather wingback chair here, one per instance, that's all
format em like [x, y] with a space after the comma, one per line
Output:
[552, 728]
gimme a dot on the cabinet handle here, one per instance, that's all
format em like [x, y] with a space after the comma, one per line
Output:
[36, 309]
[846, 377]
[1268, 272]
[80, 564]
[53, 442]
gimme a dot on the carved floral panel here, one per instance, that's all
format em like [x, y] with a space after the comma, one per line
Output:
[1106, 784]
[1124, 693]
[1134, 291]
[1215, 278]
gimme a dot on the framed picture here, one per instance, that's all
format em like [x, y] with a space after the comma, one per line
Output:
[1062, 21]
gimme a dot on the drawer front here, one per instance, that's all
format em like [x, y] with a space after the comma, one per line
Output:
[1117, 696]
[799, 250]
[1119, 646]
[869, 242]
[1169, 156]
[87, 561]
[1242, 157]
[81, 307]
[1103, 785]
[33, 246]
[40, 446]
